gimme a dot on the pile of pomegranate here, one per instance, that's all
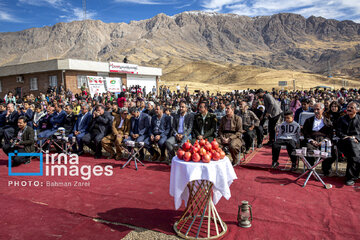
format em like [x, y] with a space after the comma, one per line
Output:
[201, 150]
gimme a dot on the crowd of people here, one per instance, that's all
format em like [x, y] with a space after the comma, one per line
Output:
[163, 119]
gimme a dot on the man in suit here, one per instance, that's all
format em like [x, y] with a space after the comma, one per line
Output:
[249, 121]
[181, 129]
[81, 128]
[23, 142]
[56, 120]
[273, 112]
[315, 130]
[100, 126]
[348, 130]
[140, 128]
[2, 115]
[204, 126]
[159, 132]
[120, 131]
[230, 132]
[11, 118]
[69, 120]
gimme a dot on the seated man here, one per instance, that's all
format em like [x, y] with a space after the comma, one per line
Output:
[230, 132]
[204, 125]
[11, 118]
[23, 142]
[81, 128]
[100, 126]
[249, 121]
[120, 131]
[56, 120]
[315, 130]
[181, 129]
[69, 120]
[28, 113]
[159, 132]
[139, 128]
[348, 130]
[289, 136]
[2, 114]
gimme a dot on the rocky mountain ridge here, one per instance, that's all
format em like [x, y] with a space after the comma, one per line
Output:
[280, 41]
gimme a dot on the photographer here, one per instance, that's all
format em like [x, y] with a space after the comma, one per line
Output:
[23, 142]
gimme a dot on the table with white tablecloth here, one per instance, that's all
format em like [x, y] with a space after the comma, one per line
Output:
[201, 186]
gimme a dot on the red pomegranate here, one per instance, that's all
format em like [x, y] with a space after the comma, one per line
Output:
[180, 154]
[202, 151]
[186, 146]
[202, 142]
[208, 147]
[216, 156]
[210, 154]
[215, 144]
[222, 154]
[187, 156]
[206, 158]
[194, 149]
[196, 157]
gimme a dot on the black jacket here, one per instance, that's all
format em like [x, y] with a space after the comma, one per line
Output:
[27, 140]
[11, 120]
[101, 124]
[209, 125]
[69, 122]
[326, 131]
[348, 127]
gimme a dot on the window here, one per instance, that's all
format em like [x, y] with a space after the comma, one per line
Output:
[0, 86]
[81, 80]
[53, 81]
[33, 84]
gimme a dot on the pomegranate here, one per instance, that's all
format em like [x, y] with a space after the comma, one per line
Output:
[202, 142]
[202, 151]
[208, 147]
[186, 146]
[210, 154]
[222, 154]
[194, 149]
[215, 144]
[180, 154]
[187, 156]
[196, 157]
[206, 158]
[216, 156]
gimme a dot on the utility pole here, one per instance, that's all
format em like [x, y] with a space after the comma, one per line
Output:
[84, 9]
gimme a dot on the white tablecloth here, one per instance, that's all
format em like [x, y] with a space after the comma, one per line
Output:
[221, 173]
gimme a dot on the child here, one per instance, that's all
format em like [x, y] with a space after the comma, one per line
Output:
[288, 135]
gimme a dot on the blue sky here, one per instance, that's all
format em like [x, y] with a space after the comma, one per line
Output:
[17, 15]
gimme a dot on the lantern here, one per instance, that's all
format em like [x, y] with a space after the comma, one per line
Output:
[244, 215]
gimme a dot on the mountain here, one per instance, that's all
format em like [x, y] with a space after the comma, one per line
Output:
[177, 43]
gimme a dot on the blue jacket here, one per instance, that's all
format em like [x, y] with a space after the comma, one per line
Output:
[83, 127]
[165, 125]
[144, 125]
[2, 118]
[57, 119]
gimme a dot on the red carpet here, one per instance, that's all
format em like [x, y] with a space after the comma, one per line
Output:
[281, 208]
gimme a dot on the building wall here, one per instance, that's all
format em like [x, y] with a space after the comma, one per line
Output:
[9, 83]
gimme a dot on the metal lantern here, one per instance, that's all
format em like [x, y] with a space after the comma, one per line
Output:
[244, 215]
